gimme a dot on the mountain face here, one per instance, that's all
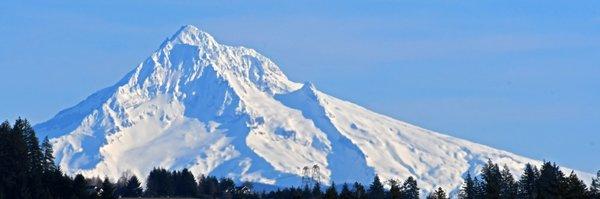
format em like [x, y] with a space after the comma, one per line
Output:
[230, 111]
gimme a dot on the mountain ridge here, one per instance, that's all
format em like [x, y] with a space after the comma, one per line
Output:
[230, 111]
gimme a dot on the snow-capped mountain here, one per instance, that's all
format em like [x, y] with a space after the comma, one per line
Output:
[230, 111]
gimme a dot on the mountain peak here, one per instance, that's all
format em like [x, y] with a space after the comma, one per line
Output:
[191, 35]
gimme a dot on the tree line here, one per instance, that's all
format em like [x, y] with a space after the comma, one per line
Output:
[27, 170]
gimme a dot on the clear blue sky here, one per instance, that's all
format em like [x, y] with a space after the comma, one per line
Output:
[519, 76]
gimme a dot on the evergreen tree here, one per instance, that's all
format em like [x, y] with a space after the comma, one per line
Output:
[316, 192]
[108, 189]
[159, 183]
[13, 167]
[551, 183]
[527, 184]
[359, 191]
[469, 188]
[48, 157]
[226, 185]
[508, 186]
[394, 189]
[34, 170]
[409, 189]
[346, 193]
[185, 184]
[595, 187]
[438, 194]
[376, 190]
[575, 187]
[133, 188]
[80, 187]
[492, 179]
[330, 192]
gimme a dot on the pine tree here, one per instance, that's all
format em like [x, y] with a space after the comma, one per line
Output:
[551, 183]
[346, 193]
[80, 187]
[306, 192]
[527, 184]
[34, 171]
[159, 183]
[359, 191]
[508, 187]
[133, 188]
[409, 189]
[595, 187]
[492, 180]
[48, 157]
[394, 189]
[108, 189]
[575, 187]
[469, 188]
[185, 184]
[438, 194]
[376, 190]
[316, 191]
[330, 192]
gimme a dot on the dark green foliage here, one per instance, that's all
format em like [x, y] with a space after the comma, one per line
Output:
[551, 183]
[159, 183]
[376, 190]
[316, 191]
[492, 179]
[133, 188]
[438, 194]
[527, 184]
[394, 189]
[108, 189]
[575, 187]
[331, 192]
[80, 189]
[27, 169]
[594, 192]
[409, 189]
[184, 184]
[346, 193]
[469, 188]
[359, 191]
[508, 186]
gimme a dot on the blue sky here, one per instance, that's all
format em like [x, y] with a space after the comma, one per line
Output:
[519, 76]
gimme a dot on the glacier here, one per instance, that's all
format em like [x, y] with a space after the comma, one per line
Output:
[230, 111]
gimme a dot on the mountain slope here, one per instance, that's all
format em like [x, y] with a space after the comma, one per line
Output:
[229, 111]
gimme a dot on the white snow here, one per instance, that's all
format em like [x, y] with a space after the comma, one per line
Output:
[229, 111]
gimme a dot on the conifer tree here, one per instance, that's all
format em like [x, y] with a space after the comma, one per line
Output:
[108, 189]
[527, 184]
[331, 192]
[595, 187]
[394, 189]
[492, 180]
[48, 157]
[376, 190]
[359, 191]
[551, 183]
[409, 189]
[316, 191]
[346, 193]
[575, 187]
[508, 186]
[469, 188]
[80, 187]
[133, 188]
[438, 194]
[185, 184]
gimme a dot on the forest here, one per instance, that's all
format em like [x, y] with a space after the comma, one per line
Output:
[28, 170]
